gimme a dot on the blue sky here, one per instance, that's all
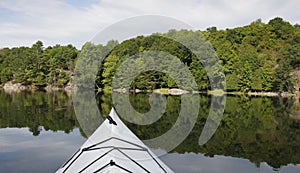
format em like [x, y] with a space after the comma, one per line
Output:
[22, 22]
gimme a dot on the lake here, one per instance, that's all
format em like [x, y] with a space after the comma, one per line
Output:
[39, 131]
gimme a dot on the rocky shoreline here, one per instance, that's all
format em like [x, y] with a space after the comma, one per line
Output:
[14, 87]
[266, 94]
[11, 87]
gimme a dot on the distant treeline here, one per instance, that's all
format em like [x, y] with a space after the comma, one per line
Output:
[37, 65]
[256, 57]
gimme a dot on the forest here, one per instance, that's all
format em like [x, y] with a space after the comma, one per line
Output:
[259, 57]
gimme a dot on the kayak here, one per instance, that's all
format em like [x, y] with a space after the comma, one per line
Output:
[113, 148]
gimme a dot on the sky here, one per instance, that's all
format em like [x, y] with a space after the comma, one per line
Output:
[23, 22]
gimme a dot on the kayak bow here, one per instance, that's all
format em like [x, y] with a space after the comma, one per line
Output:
[113, 148]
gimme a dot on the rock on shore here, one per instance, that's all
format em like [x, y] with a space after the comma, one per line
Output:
[13, 87]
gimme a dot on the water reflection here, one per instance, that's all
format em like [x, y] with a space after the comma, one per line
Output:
[52, 111]
[20, 151]
[257, 134]
[195, 163]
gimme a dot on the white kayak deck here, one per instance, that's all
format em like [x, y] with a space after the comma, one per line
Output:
[113, 148]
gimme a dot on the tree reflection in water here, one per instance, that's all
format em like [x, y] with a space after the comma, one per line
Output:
[260, 129]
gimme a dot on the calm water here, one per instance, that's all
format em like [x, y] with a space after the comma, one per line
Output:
[39, 132]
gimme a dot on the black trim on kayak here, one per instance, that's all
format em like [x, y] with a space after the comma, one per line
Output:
[70, 158]
[156, 162]
[115, 148]
[73, 161]
[102, 168]
[122, 148]
[122, 168]
[111, 121]
[96, 160]
[133, 160]
[116, 139]
[93, 147]
[112, 163]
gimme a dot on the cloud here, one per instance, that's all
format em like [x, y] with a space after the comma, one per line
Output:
[52, 21]
[62, 21]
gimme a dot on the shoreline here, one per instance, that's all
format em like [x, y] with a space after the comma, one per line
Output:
[266, 94]
[11, 87]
